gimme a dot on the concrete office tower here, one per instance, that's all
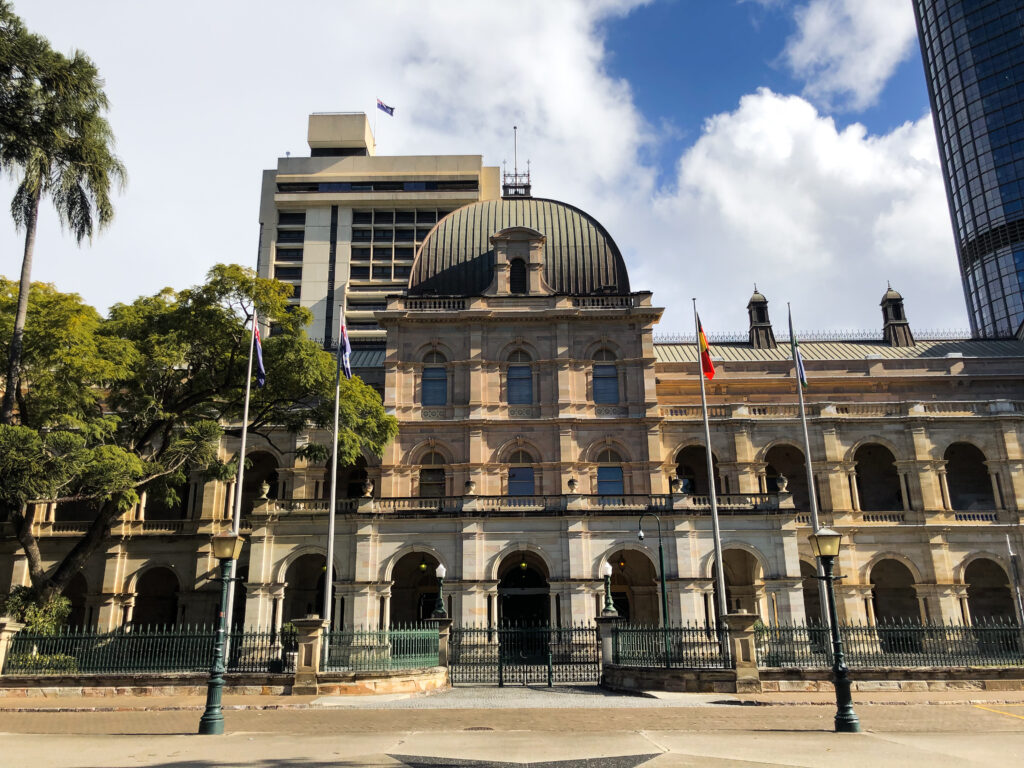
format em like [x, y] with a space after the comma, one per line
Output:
[343, 225]
[974, 64]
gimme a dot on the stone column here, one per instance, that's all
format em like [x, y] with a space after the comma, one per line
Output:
[744, 654]
[8, 629]
[444, 633]
[605, 625]
[947, 503]
[307, 659]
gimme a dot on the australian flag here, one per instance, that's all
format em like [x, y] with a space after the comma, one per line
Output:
[344, 350]
[384, 108]
[261, 372]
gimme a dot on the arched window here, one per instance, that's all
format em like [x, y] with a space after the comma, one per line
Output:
[432, 476]
[435, 379]
[517, 276]
[520, 379]
[606, 378]
[520, 474]
[609, 476]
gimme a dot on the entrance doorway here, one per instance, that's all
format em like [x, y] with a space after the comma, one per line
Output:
[524, 597]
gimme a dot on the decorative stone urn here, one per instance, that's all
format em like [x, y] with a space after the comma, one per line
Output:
[572, 484]
[674, 484]
[367, 488]
[264, 490]
[469, 489]
[782, 482]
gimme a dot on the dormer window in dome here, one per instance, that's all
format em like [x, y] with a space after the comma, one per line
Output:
[518, 263]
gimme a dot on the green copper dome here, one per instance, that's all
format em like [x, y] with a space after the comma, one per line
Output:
[457, 258]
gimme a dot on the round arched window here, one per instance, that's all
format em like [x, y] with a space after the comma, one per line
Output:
[520, 379]
[520, 474]
[435, 379]
[432, 475]
[606, 378]
[609, 474]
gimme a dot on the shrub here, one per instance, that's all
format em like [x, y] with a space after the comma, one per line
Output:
[42, 663]
[24, 605]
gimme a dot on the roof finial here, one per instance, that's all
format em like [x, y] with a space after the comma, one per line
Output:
[755, 287]
[515, 184]
[889, 283]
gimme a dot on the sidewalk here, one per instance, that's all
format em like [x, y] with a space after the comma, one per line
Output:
[512, 697]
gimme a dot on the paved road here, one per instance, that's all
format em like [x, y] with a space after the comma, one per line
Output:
[733, 736]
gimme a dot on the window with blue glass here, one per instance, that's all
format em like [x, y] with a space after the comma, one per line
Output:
[520, 379]
[435, 380]
[520, 474]
[609, 474]
[606, 378]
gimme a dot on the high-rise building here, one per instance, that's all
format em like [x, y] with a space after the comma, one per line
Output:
[343, 224]
[974, 64]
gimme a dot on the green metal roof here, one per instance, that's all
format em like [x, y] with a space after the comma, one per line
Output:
[844, 350]
[367, 358]
[457, 258]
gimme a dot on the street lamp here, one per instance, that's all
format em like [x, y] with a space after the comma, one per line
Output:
[439, 609]
[661, 566]
[226, 548]
[609, 606]
[825, 544]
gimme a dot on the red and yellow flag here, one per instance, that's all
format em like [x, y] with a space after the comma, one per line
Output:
[707, 367]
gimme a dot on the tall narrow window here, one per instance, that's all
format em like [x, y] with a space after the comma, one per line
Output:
[432, 485]
[520, 379]
[520, 478]
[606, 378]
[435, 380]
[517, 276]
[609, 478]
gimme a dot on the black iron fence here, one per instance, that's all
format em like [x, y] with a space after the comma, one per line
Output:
[681, 647]
[144, 649]
[511, 655]
[893, 645]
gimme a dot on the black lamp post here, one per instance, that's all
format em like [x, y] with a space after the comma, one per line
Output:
[661, 567]
[609, 606]
[825, 544]
[439, 610]
[226, 548]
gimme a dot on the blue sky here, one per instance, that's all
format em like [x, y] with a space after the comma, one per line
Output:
[721, 142]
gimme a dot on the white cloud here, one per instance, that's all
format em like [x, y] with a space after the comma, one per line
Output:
[846, 50]
[771, 192]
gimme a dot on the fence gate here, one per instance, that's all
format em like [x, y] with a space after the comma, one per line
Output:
[524, 655]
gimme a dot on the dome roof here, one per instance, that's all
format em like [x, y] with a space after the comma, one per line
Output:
[892, 294]
[457, 258]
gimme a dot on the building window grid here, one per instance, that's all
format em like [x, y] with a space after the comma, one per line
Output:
[387, 235]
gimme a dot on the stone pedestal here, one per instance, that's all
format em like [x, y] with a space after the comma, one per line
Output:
[307, 660]
[444, 633]
[8, 629]
[605, 625]
[744, 654]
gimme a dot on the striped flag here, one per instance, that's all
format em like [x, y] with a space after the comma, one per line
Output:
[707, 367]
[798, 359]
[344, 350]
[261, 372]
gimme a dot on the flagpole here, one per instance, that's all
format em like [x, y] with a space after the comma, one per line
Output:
[332, 502]
[1015, 575]
[715, 530]
[236, 517]
[811, 491]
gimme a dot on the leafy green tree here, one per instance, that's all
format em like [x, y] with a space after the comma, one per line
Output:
[151, 389]
[56, 141]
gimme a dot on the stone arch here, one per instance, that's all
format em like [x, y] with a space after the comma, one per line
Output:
[745, 570]
[594, 448]
[635, 586]
[865, 571]
[308, 549]
[518, 345]
[598, 344]
[524, 588]
[415, 454]
[414, 586]
[156, 591]
[434, 346]
[989, 597]
[505, 450]
[305, 580]
[264, 464]
[786, 459]
[967, 477]
[519, 546]
[691, 467]
[894, 593]
[878, 481]
[386, 571]
[618, 546]
[149, 565]
[762, 453]
[869, 440]
[708, 564]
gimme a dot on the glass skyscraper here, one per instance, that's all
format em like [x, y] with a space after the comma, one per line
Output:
[974, 64]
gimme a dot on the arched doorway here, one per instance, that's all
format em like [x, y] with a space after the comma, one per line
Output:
[967, 478]
[743, 581]
[156, 598]
[811, 592]
[413, 588]
[262, 468]
[75, 591]
[787, 461]
[635, 588]
[988, 592]
[304, 586]
[878, 482]
[893, 595]
[692, 471]
[523, 592]
[350, 479]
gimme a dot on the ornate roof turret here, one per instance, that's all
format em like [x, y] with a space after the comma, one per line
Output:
[761, 334]
[895, 326]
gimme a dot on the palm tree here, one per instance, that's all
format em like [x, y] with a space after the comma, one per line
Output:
[60, 147]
